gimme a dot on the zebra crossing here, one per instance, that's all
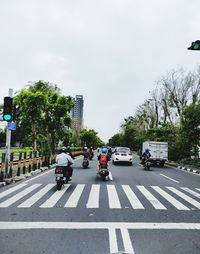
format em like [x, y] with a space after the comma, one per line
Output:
[117, 197]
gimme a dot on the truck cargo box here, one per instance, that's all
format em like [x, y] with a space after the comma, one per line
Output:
[158, 150]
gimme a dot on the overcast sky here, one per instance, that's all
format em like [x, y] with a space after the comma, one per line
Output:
[110, 51]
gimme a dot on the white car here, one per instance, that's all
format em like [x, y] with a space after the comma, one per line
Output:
[122, 154]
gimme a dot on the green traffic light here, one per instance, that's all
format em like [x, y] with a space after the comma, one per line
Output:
[196, 45]
[7, 117]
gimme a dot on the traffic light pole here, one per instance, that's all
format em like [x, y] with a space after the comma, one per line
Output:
[8, 141]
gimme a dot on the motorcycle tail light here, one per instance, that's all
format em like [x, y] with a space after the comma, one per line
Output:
[59, 170]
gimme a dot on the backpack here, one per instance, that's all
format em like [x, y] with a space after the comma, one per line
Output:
[103, 159]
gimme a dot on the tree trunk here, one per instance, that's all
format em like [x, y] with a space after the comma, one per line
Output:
[34, 145]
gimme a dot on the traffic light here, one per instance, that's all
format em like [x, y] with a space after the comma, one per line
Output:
[7, 109]
[195, 46]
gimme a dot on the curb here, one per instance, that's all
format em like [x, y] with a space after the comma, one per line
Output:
[22, 177]
[2, 184]
[196, 171]
[189, 169]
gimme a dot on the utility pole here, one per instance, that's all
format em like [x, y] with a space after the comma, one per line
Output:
[8, 140]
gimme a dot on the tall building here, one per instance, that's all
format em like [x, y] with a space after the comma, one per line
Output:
[77, 113]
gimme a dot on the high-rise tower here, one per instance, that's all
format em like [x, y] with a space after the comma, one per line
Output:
[77, 113]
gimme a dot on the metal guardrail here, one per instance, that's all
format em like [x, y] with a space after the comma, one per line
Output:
[26, 165]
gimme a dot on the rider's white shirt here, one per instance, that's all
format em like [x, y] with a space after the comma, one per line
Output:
[63, 159]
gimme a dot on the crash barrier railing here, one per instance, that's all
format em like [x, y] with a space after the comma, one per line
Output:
[26, 164]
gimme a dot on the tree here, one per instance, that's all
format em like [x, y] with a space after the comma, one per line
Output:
[90, 138]
[116, 140]
[43, 113]
[31, 106]
[190, 129]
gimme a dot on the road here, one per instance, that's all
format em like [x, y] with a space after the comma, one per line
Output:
[139, 212]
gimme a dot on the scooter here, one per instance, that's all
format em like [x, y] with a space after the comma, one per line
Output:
[146, 163]
[91, 156]
[103, 172]
[62, 177]
[85, 162]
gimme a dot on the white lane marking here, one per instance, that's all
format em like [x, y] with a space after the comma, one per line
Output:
[75, 196]
[198, 189]
[50, 202]
[153, 200]
[169, 178]
[96, 225]
[33, 199]
[44, 173]
[113, 197]
[18, 196]
[134, 201]
[170, 199]
[93, 201]
[7, 192]
[113, 240]
[191, 192]
[185, 197]
[127, 241]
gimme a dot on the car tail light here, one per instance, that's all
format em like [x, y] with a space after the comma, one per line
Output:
[116, 153]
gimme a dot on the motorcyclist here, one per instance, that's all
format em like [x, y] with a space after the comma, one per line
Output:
[91, 152]
[68, 151]
[145, 156]
[110, 152]
[85, 152]
[100, 159]
[64, 160]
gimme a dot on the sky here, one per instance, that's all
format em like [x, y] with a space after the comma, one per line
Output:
[110, 51]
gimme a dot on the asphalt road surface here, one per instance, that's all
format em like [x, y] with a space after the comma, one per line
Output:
[138, 211]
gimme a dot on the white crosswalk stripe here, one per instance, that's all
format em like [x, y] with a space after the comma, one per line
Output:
[92, 196]
[153, 200]
[11, 190]
[185, 197]
[198, 189]
[75, 196]
[113, 198]
[93, 201]
[33, 199]
[18, 196]
[134, 201]
[51, 202]
[170, 199]
[191, 192]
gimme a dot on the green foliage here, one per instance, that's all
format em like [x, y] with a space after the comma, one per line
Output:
[116, 140]
[190, 129]
[90, 138]
[42, 115]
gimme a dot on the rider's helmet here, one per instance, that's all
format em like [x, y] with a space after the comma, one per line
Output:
[104, 150]
[147, 150]
[85, 148]
[63, 149]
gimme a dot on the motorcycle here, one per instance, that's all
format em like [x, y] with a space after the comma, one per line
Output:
[146, 163]
[91, 156]
[85, 163]
[103, 172]
[62, 176]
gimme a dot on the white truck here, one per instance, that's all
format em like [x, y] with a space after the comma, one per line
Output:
[158, 150]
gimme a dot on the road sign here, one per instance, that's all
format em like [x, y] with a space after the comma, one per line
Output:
[11, 126]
